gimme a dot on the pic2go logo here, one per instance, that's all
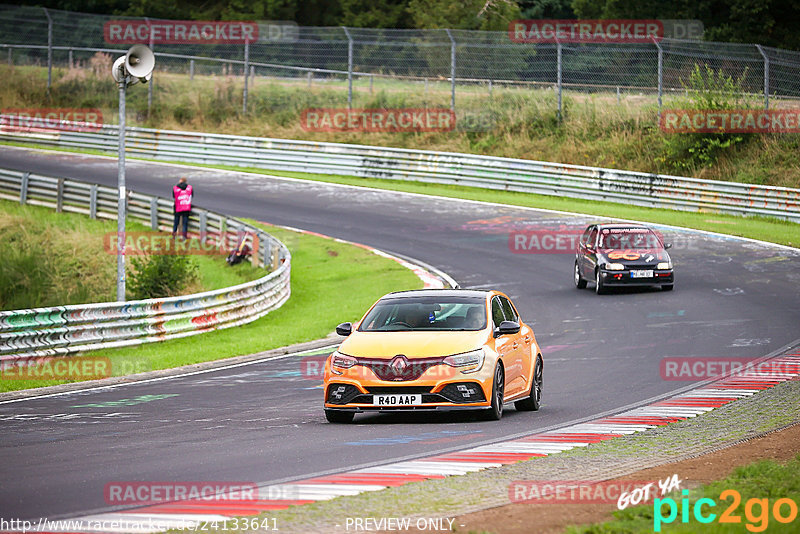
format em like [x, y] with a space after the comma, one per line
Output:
[756, 511]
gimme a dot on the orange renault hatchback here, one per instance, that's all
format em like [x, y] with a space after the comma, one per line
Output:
[436, 349]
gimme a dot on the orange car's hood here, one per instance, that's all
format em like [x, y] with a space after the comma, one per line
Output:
[412, 344]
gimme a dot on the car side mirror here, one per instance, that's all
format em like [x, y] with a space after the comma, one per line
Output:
[344, 329]
[667, 245]
[507, 327]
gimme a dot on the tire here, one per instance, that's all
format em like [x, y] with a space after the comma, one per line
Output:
[337, 416]
[599, 288]
[534, 400]
[495, 412]
[580, 283]
[667, 287]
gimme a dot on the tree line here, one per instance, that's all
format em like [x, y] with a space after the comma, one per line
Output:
[767, 22]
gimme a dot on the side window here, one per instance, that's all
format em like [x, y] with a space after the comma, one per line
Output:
[592, 237]
[497, 312]
[585, 236]
[509, 311]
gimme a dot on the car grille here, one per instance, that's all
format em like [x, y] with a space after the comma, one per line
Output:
[391, 370]
[399, 390]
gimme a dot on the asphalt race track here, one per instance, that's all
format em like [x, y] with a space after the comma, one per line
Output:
[263, 422]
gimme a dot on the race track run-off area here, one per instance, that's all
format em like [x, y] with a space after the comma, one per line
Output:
[263, 422]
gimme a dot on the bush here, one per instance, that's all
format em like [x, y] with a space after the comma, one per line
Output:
[706, 89]
[160, 276]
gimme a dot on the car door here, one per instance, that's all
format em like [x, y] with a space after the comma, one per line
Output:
[589, 253]
[504, 345]
[518, 381]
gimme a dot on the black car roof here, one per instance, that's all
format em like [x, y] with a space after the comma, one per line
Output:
[623, 225]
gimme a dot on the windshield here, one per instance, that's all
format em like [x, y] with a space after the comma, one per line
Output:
[426, 313]
[628, 238]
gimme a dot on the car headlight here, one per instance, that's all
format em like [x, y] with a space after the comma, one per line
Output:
[342, 361]
[614, 267]
[664, 265]
[467, 362]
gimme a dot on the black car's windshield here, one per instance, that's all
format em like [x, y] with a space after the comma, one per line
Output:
[628, 238]
[426, 313]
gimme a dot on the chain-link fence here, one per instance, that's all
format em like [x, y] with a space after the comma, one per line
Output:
[449, 68]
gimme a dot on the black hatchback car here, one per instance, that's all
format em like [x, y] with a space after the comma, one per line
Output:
[622, 254]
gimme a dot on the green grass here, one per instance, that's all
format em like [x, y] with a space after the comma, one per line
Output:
[54, 259]
[324, 293]
[760, 480]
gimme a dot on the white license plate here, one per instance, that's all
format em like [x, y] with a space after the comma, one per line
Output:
[396, 400]
[641, 274]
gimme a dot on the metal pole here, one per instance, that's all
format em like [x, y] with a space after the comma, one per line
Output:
[246, 75]
[766, 76]
[349, 67]
[122, 198]
[660, 75]
[559, 69]
[70, 58]
[452, 70]
[152, 79]
[49, 48]
[191, 69]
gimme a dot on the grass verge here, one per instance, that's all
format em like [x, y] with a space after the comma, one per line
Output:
[323, 295]
[55, 259]
[765, 482]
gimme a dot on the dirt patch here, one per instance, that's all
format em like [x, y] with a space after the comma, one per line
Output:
[554, 518]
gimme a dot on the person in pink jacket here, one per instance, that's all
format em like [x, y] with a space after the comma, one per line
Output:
[182, 193]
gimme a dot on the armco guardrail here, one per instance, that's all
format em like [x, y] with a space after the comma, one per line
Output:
[574, 181]
[63, 330]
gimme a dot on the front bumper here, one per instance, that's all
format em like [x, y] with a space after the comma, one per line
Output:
[624, 278]
[465, 394]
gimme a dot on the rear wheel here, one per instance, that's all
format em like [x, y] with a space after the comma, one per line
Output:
[338, 416]
[495, 412]
[580, 283]
[599, 288]
[533, 401]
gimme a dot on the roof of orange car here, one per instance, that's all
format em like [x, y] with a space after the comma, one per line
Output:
[443, 292]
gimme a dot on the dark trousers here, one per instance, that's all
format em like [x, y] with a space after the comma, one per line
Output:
[181, 216]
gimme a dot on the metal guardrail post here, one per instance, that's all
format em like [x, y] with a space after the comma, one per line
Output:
[203, 222]
[70, 59]
[49, 48]
[246, 74]
[452, 70]
[660, 75]
[559, 69]
[191, 70]
[93, 201]
[766, 76]
[23, 191]
[349, 67]
[154, 214]
[60, 196]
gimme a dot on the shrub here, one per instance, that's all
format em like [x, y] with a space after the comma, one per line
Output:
[160, 276]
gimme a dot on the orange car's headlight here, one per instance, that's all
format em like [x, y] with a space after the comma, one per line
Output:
[467, 362]
[341, 361]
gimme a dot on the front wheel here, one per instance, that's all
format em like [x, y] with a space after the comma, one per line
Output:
[534, 400]
[599, 288]
[338, 416]
[580, 283]
[495, 412]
